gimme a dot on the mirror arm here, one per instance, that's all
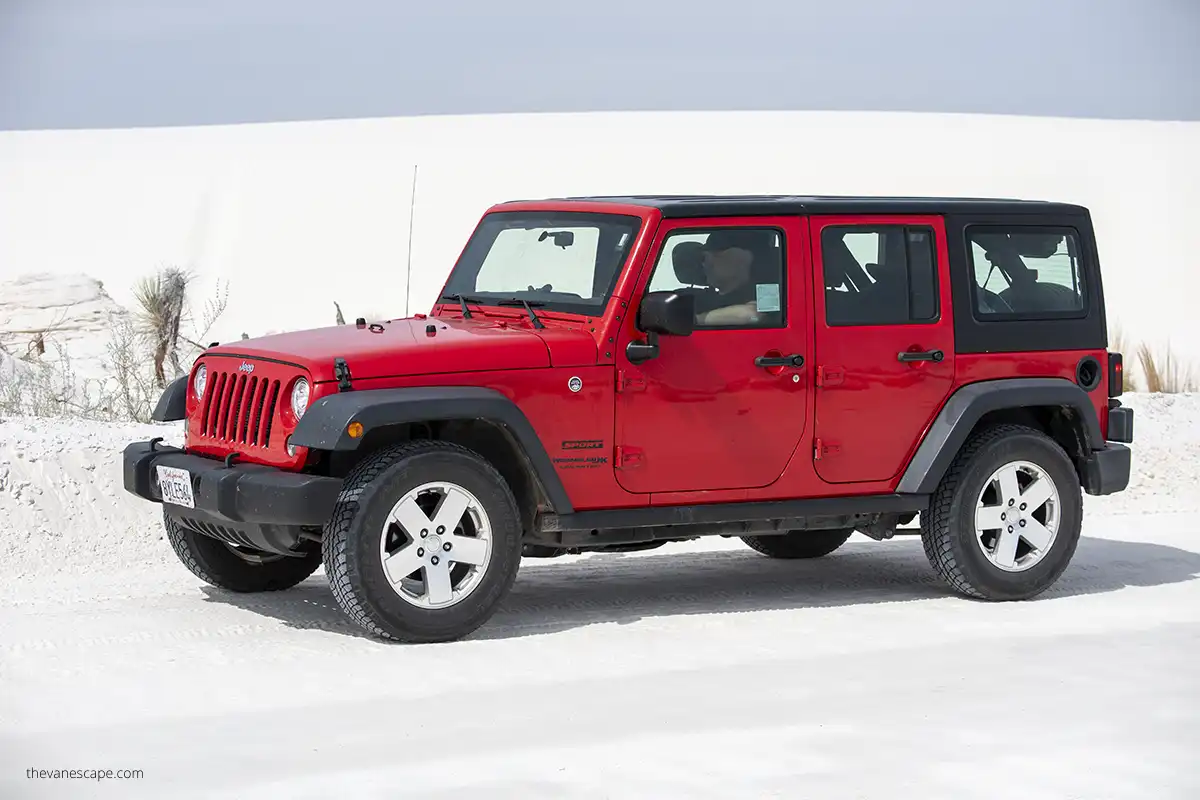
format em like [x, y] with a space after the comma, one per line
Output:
[638, 351]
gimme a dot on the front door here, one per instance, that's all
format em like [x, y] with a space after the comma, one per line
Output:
[723, 408]
[884, 350]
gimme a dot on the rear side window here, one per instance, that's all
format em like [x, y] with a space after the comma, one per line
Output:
[1026, 273]
[879, 274]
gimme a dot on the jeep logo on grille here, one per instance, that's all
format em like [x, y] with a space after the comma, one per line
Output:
[246, 367]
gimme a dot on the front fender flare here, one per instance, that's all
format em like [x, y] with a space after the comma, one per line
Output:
[966, 407]
[172, 403]
[323, 426]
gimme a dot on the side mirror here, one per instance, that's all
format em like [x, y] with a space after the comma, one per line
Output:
[661, 313]
[668, 313]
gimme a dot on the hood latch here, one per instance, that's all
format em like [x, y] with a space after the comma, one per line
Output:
[341, 371]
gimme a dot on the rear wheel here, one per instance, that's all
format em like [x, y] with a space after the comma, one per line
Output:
[424, 542]
[799, 544]
[1005, 520]
[235, 568]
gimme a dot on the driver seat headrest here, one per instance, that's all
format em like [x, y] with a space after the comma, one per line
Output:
[688, 260]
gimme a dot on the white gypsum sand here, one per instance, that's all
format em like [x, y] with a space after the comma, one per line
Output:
[695, 670]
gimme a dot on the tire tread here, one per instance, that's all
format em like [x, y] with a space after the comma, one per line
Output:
[937, 522]
[799, 544]
[334, 543]
[201, 556]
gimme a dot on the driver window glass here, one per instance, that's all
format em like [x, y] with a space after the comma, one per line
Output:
[735, 274]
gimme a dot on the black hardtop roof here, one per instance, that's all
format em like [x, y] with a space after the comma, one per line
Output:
[765, 205]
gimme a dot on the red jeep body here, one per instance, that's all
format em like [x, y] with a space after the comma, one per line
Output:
[885, 334]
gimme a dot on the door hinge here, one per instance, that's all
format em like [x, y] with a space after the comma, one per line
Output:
[829, 376]
[822, 449]
[629, 383]
[626, 457]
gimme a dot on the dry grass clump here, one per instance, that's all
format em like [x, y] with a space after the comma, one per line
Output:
[1160, 369]
[1164, 372]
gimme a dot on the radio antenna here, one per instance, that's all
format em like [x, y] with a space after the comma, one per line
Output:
[412, 205]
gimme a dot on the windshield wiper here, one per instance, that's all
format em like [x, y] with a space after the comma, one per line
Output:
[537, 323]
[462, 301]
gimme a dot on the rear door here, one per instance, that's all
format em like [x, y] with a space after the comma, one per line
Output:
[884, 341]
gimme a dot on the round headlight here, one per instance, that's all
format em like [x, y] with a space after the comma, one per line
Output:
[198, 381]
[300, 398]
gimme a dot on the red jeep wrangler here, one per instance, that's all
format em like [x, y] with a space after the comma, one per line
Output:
[618, 373]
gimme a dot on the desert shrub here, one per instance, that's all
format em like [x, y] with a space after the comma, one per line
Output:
[147, 349]
[1164, 372]
[33, 387]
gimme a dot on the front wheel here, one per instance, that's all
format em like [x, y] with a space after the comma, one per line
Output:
[1005, 520]
[424, 543]
[234, 568]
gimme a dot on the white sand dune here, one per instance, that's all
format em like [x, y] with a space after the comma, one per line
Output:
[295, 215]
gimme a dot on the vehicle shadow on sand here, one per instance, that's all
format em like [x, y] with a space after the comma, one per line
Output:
[551, 597]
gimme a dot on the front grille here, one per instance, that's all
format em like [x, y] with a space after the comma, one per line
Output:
[239, 408]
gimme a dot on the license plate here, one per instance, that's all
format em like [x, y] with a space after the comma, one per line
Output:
[176, 486]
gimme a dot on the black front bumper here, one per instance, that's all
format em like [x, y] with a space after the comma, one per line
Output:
[250, 504]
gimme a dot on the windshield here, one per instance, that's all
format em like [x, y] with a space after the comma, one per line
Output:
[557, 260]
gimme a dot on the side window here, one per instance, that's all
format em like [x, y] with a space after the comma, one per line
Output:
[879, 274]
[1026, 272]
[735, 274]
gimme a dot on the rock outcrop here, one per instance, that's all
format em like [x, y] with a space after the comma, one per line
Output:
[44, 315]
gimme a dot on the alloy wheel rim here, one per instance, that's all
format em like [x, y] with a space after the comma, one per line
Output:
[436, 545]
[1017, 516]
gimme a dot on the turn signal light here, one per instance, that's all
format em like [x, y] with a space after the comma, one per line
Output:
[355, 429]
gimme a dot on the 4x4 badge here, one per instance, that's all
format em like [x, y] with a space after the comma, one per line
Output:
[575, 384]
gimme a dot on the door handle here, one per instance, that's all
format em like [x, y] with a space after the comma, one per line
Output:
[928, 355]
[779, 361]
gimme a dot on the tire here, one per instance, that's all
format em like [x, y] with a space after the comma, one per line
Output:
[1021, 570]
[362, 528]
[236, 569]
[800, 544]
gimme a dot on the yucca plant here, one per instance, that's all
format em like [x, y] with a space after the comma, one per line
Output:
[161, 299]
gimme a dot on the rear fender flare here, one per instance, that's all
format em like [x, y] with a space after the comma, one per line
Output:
[969, 404]
[323, 426]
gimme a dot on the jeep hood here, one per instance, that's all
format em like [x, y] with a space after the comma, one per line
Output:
[414, 347]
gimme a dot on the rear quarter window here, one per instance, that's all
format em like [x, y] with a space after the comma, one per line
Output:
[1026, 273]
